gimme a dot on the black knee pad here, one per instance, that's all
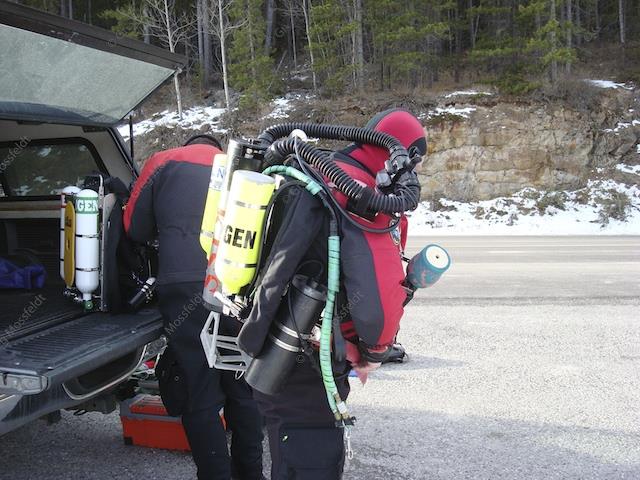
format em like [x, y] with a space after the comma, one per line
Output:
[310, 453]
[172, 383]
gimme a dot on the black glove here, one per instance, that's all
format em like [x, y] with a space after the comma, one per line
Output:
[406, 182]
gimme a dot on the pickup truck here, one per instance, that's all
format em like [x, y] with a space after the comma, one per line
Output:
[64, 86]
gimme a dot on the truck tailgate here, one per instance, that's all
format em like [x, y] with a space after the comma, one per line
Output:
[35, 362]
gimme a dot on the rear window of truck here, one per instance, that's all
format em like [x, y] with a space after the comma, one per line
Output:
[39, 169]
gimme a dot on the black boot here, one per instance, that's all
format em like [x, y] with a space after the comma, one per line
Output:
[397, 354]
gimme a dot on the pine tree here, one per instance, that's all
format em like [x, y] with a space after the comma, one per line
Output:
[384, 44]
[405, 39]
[331, 44]
[545, 44]
[251, 69]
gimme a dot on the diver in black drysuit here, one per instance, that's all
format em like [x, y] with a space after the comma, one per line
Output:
[304, 440]
[167, 203]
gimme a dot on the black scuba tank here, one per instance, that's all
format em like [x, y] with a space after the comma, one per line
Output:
[299, 311]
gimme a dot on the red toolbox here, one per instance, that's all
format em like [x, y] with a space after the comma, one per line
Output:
[146, 423]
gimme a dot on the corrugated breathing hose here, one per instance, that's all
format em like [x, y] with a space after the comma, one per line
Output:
[398, 155]
[406, 187]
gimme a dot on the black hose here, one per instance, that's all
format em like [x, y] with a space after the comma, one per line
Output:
[315, 175]
[398, 155]
[405, 189]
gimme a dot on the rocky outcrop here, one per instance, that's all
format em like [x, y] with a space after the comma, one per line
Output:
[484, 151]
[481, 146]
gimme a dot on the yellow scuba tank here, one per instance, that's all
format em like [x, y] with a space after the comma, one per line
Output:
[69, 257]
[66, 194]
[241, 155]
[237, 256]
[216, 183]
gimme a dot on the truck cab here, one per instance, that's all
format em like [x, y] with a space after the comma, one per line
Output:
[64, 87]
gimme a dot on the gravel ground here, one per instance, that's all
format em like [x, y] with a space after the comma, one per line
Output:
[522, 368]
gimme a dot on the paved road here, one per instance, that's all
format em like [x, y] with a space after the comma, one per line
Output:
[525, 364]
[537, 269]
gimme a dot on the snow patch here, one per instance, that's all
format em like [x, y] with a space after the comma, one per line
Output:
[635, 169]
[283, 105]
[622, 126]
[529, 212]
[282, 108]
[466, 92]
[192, 118]
[609, 84]
[438, 111]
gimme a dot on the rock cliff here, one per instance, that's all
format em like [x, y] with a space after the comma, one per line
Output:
[488, 148]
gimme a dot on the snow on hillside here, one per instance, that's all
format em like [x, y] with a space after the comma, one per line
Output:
[450, 110]
[622, 125]
[635, 169]
[283, 105]
[530, 212]
[608, 84]
[197, 117]
[192, 118]
[461, 93]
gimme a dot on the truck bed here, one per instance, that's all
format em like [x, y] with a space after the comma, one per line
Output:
[25, 312]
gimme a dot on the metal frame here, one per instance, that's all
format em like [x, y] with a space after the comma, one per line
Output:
[213, 343]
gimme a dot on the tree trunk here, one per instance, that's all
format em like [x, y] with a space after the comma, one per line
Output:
[89, 16]
[359, 44]
[172, 49]
[351, 47]
[554, 63]
[70, 9]
[621, 21]
[472, 35]
[207, 54]
[176, 85]
[567, 66]
[458, 31]
[146, 30]
[597, 12]
[223, 55]
[449, 26]
[252, 47]
[578, 17]
[63, 8]
[293, 35]
[200, 32]
[186, 45]
[306, 7]
[268, 39]
[437, 49]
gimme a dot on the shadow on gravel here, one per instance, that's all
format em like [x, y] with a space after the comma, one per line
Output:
[420, 445]
[418, 362]
[398, 444]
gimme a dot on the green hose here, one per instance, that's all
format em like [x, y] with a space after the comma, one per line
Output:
[337, 405]
[312, 186]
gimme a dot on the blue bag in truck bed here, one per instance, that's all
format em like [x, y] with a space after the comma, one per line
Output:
[26, 277]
